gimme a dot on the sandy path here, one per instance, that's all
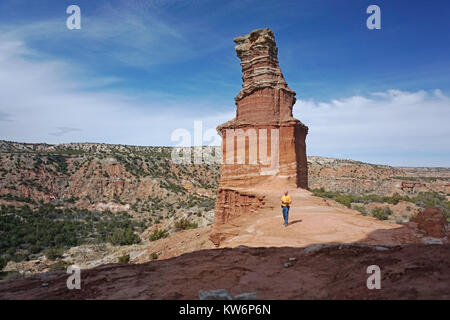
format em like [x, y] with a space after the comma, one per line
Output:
[311, 220]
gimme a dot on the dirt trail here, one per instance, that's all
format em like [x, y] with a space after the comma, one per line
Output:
[312, 220]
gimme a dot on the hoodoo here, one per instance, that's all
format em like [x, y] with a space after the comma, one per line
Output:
[264, 140]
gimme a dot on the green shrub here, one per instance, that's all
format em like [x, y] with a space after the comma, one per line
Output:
[158, 234]
[345, 200]
[123, 237]
[34, 248]
[388, 211]
[184, 224]
[59, 266]
[3, 263]
[124, 259]
[360, 209]
[154, 256]
[380, 214]
[54, 253]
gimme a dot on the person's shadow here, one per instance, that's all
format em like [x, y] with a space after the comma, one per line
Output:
[294, 222]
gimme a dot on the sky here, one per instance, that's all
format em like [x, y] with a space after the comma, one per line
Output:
[138, 70]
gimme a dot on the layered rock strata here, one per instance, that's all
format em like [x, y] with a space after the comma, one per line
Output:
[264, 140]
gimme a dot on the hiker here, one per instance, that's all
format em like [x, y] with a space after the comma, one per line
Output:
[285, 205]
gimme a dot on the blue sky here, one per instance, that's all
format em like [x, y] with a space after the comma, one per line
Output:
[138, 70]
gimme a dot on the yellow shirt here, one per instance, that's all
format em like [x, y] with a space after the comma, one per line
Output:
[286, 200]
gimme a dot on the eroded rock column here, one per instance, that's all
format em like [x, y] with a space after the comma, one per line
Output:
[264, 140]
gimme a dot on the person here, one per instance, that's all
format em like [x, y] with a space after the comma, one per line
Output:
[285, 205]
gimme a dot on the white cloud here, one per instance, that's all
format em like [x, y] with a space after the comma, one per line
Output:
[394, 127]
[131, 33]
[44, 102]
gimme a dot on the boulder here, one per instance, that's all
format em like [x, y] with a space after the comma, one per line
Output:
[432, 223]
[246, 296]
[219, 294]
[222, 294]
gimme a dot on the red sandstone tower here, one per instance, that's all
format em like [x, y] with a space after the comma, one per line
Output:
[264, 140]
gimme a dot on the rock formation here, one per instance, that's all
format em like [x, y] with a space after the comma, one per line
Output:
[234, 203]
[264, 140]
[432, 223]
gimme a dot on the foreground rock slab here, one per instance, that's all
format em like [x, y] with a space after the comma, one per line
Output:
[415, 271]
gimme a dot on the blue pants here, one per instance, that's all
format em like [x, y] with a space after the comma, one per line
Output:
[286, 214]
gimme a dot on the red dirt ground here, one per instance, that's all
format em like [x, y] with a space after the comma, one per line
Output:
[415, 271]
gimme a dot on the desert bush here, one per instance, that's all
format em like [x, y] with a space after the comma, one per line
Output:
[360, 209]
[154, 256]
[380, 214]
[59, 266]
[345, 200]
[54, 253]
[158, 234]
[185, 224]
[3, 263]
[123, 237]
[124, 259]
[388, 211]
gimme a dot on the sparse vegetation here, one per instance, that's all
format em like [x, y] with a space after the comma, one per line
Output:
[348, 199]
[185, 224]
[360, 209]
[158, 234]
[124, 259]
[3, 263]
[60, 265]
[124, 237]
[54, 253]
[422, 199]
[154, 256]
[380, 214]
